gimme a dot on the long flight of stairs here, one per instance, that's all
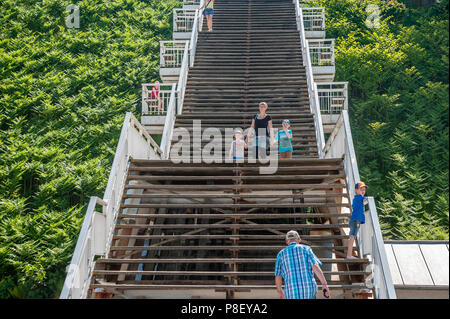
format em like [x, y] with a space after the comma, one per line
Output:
[196, 230]
[253, 55]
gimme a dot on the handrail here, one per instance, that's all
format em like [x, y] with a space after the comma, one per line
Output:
[312, 15]
[170, 55]
[77, 279]
[188, 61]
[200, 16]
[169, 125]
[320, 48]
[181, 87]
[163, 98]
[97, 229]
[332, 91]
[185, 16]
[370, 238]
[312, 88]
[194, 38]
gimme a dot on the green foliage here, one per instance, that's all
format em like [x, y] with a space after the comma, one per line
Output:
[398, 78]
[63, 97]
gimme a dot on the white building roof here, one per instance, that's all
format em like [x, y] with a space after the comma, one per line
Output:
[419, 264]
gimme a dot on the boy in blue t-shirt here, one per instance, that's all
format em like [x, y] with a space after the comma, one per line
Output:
[357, 217]
[284, 138]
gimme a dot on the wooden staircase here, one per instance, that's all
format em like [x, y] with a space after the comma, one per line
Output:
[196, 230]
[252, 55]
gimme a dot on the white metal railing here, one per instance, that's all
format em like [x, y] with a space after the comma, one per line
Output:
[191, 2]
[196, 28]
[169, 124]
[175, 105]
[333, 97]
[305, 3]
[312, 88]
[200, 16]
[183, 19]
[370, 239]
[321, 51]
[171, 53]
[173, 97]
[314, 19]
[155, 101]
[97, 229]
[182, 80]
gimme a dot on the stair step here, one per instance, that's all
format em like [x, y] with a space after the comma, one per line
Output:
[142, 286]
[222, 216]
[237, 187]
[248, 120]
[214, 273]
[309, 238]
[228, 115]
[216, 248]
[219, 260]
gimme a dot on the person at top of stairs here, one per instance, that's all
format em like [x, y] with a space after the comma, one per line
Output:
[262, 125]
[209, 12]
[284, 138]
[297, 264]
[357, 217]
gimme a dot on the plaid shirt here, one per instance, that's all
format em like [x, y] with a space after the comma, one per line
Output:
[294, 264]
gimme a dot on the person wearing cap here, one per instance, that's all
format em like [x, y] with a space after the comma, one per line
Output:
[297, 264]
[357, 218]
[284, 138]
[237, 146]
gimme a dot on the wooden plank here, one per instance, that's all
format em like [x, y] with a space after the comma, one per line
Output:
[307, 161]
[232, 196]
[392, 261]
[220, 281]
[224, 287]
[412, 266]
[231, 205]
[212, 273]
[436, 257]
[234, 168]
[233, 237]
[220, 260]
[231, 178]
[246, 216]
[238, 226]
[212, 247]
[236, 187]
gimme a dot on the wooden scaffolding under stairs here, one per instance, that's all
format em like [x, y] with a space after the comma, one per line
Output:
[214, 230]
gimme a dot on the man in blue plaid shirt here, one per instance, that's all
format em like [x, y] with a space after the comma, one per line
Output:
[297, 264]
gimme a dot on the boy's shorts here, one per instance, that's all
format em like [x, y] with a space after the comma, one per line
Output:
[354, 227]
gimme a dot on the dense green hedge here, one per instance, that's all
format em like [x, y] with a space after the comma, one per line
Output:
[64, 94]
[398, 78]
